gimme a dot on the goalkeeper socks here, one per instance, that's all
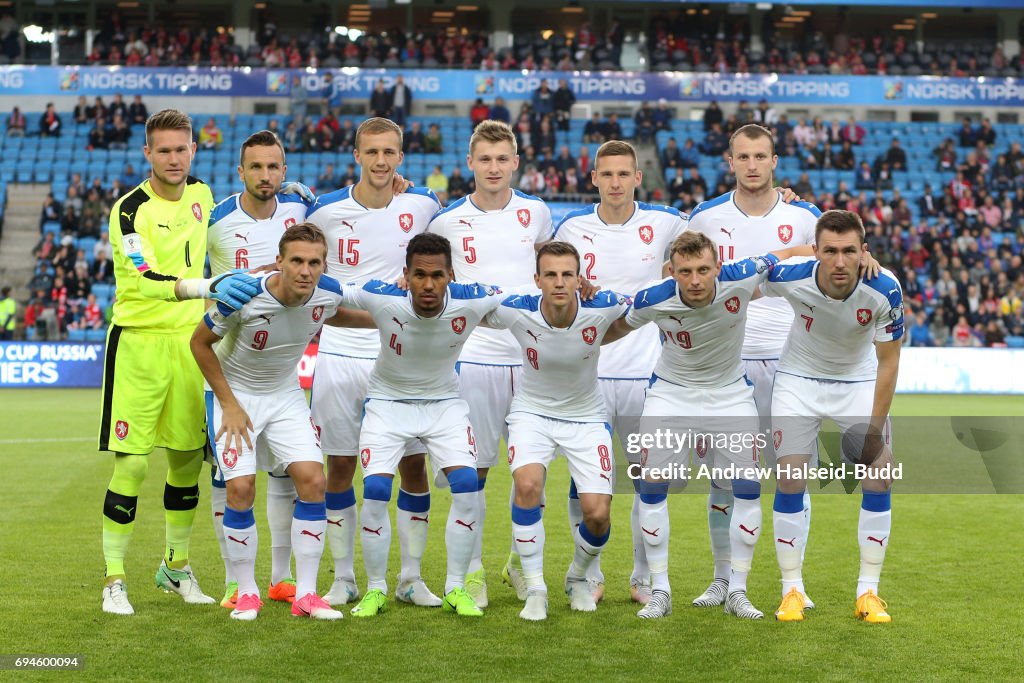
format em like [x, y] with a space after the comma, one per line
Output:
[413, 524]
[587, 551]
[242, 538]
[788, 522]
[218, 501]
[181, 497]
[342, 522]
[281, 497]
[720, 509]
[744, 530]
[308, 528]
[873, 530]
[476, 560]
[119, 508]
[528, 540]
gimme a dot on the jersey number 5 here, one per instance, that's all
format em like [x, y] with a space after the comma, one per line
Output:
[469, 249]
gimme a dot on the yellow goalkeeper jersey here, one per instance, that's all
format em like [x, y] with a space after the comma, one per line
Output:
[156, 242]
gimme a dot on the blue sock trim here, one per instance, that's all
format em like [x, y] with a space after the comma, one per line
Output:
[573, 493]
[480, 483]
[214, 481]
[413, 502]
[596, 541]
[876, 501]
[310, 512]
[788, 502]
[525, 516]
[638, 485]
[377, 487]
[238, 519]
[745, 489]
[340, 501]
[463, 480]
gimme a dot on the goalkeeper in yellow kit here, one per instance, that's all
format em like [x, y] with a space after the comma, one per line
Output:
[152, 388]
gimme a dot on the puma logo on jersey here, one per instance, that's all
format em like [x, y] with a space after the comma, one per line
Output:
[348, 225]
[401, 325]
[127, 215]
[679, 320]
[728, 232]
[467, 223]
[244, 238]
[266, 316]
[809, 307]
[536, 337]
[381, 287]
[588, 238]
[164, 226]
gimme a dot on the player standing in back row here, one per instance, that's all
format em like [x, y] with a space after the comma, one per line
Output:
[495, 232]
[368, 228]
[152, 389]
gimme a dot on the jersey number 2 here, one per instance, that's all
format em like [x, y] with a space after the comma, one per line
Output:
[591, 259]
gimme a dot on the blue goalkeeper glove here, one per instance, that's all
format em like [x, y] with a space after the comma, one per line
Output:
[301, 190]
[234, 289]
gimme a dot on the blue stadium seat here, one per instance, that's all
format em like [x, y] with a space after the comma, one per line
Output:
[95, 335]
[76, 335]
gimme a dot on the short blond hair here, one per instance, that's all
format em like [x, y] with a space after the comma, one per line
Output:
[616, 148]
[375, 126]
[168, 119]
[493, 131]
[692, 244]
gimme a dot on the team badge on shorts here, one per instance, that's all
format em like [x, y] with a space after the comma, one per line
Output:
[121, 430]
[197, 211]
[364, 456]
[646, 234]
[701, 447]
[524, 217]
[318, 312]
[229, 457]
[288, 222]
[459, 324]
[643, 457]
[589, 334]
[511, 454]
[777, 438]
[732, 304]
[863, 315]
[405, 222]
[785, 233]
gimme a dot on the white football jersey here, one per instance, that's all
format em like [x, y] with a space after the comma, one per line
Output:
[832, 339]
[237, 240]
[417, 355]
[367, 244]
[494, 246]
[263, 341]
[740, 236]
[624, 258]
[560, 363]
[702, 345]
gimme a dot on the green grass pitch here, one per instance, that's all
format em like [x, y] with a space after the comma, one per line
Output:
[952, 579]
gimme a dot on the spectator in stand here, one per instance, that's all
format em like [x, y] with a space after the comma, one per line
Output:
[564, 161]
[920, 333]
[594, 131]
[562, 102]
[137, 112]
[542, 101]
[414, 141]
[644, 120]
[97, 110]
[457, 185]
[895, 156]
[432, 142]
[803, 186]
[102, 269]
[499, 112]
[129, 177]
[310, 138]
[81, 111]
[712, 115]
[845, 159]
[103, 245]
[349, 177]
[35, 319]
[744, 114]
[16, 123]
[990, 213]
[677, 189]
[612, 128]
[118, 107]
[571, 184]
[478, 113]
[380, 101]
[967, 135]
[292, 138]
[583, 164]
[98, 138]
[532, 182]
[327, 180]
[438, 183]
[715, 141]
[210, 136]
[345, 139]
[51, 212]
[545, 138]
[93, 316]
[119, 133]
[865, 178]
[853, 132]
[49, 122]
[765, 114]
[552, 181]
[995, 335]
[400, 100]
[689, 154]
[663, 116]
[671, 157]
[695, 188]
[326, 130]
